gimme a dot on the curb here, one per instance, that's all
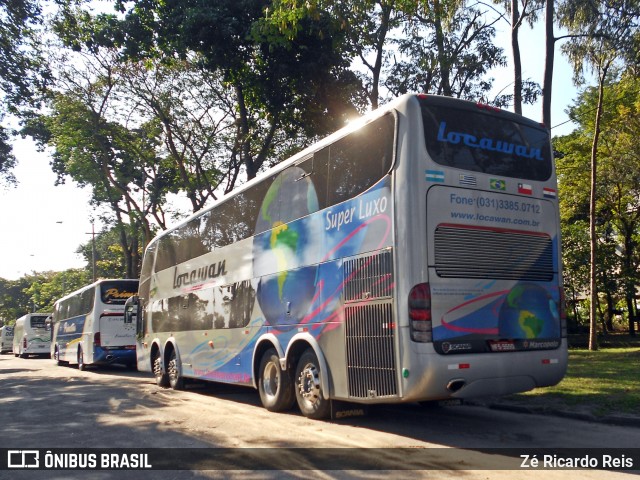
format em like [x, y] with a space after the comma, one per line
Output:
[620, 420]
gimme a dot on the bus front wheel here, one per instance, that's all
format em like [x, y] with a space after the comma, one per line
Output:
[162, 380]
[274, 385]
[308, 387]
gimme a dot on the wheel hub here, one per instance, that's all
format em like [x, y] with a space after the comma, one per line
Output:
[271, 379]
[309, 384]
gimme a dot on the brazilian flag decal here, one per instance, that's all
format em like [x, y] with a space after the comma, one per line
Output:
[496, 184]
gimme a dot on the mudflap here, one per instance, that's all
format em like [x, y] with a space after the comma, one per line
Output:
[340, 409]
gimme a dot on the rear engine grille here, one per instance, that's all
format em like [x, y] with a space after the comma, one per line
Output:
[462, 252]
[370, 333]
[368, 277]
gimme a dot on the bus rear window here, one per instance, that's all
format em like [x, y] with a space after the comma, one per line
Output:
[38, 321]
[116, 293]
[486, 142]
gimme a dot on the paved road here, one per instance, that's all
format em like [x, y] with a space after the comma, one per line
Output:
[44, 406]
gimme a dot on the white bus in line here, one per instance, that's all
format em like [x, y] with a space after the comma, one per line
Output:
[89, 328]
[32, 335]
[6, 339]
[411, 256]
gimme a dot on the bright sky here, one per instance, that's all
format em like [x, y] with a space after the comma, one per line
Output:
[43, 225]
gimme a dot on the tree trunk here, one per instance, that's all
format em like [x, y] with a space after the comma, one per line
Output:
[550, 44]
[632, 313]
[385, 16]
[630, 286]
[442, 61]
[593, 338]
[607, 324]
[517, 63]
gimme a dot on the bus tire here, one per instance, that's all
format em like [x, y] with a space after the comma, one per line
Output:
[274, 384]
[308, 387]
[56, 357]
[162, 379]
[81, 365]
[176, 380]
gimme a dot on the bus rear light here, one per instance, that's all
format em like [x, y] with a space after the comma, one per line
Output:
[420, 313]
[490, 108]
[24, 343]
[96, 339]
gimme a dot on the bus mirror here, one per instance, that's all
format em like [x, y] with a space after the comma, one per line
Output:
[131, 309]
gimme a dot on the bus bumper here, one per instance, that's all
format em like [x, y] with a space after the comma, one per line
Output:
[104, 356]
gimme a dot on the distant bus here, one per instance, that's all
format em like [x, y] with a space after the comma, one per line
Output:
[6, 339]
[31, 335]
[414, 255]
[89, 328]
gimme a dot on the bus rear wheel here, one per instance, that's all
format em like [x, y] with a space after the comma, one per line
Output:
[176, 380]
[308, 387]
[162, 380]
[81, 365]
[274, 384]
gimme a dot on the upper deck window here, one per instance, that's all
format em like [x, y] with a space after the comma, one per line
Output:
[486, 142]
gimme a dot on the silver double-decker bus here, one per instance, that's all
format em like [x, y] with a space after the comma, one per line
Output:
[414, 255]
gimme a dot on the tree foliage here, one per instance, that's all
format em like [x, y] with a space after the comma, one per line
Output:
[23, 72]
[447, 53]
[617, 209]
[166, 98]
[37, 292]
[602, 34]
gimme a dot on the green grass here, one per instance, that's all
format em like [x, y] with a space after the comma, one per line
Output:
[603, 382]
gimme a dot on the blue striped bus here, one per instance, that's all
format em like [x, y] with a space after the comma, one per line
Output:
[89, 328]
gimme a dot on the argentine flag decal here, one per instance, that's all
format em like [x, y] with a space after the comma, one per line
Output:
[434, 176]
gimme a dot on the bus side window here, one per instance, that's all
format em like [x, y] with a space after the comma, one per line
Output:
[86, 301]
[198, 311]
[188, 241]
[233, 305]
[359, 160]
[320, 176]
[166, 253]
[160, 315]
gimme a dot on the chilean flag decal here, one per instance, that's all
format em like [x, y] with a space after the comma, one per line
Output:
[525, 189]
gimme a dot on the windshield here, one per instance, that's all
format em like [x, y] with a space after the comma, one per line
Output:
[482, 141]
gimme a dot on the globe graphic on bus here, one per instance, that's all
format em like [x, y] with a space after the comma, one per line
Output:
[286, 289]
[528, 312]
